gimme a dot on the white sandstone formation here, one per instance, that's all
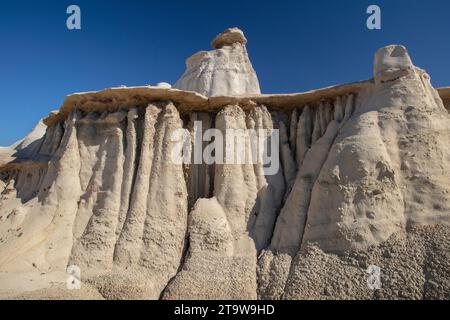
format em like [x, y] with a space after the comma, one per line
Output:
[226, 230]
[363, 180]
[407, 124]
[225, 71]
[28, 146]
[164, 85]
[378, 171]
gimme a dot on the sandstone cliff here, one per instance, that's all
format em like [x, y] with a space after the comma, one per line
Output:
[363, 180]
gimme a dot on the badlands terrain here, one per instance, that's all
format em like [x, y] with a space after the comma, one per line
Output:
[363, 181]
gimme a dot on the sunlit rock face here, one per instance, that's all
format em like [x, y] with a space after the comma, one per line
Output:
[363, 180]
[227, 70]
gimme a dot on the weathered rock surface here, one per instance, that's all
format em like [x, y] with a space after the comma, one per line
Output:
[363, 181]
[226, 71]
[381, 170]
[414, 265]
[228, 38]
[25, 149]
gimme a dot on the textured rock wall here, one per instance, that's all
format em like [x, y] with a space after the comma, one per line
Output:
[375, 173]
[108, 199]
[362, 175]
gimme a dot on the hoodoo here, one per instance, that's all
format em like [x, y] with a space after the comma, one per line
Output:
[225, 71]
[363, 181]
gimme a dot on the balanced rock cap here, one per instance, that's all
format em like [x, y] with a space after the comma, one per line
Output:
[229, 37]
[392, 62]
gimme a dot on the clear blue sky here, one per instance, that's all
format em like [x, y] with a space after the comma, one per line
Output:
[294, 45]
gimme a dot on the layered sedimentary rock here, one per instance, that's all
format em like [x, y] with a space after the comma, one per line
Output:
[362, 181]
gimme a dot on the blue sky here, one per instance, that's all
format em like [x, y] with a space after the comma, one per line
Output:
[294, 45]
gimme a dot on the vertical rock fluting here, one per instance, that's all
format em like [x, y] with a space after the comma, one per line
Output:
[287, 158]
[293, 130]
[129, 245]
[275, 262]
[384, 174]
[218, 255]
[153, 234]
[200, 175]
[95, 246]
[362, 176]
[227, 70]
[45, 222]
[97, 161]
[28, 182]
[221, 259]
[303, 134]
[129, 168]
[52, 139]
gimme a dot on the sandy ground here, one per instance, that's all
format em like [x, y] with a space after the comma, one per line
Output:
[43, 286]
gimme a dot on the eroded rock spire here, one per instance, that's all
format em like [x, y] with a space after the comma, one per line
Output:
[227, 70]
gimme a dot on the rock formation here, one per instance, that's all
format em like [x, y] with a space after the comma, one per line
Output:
[363, 181]
[26, 147]
[225, 71]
